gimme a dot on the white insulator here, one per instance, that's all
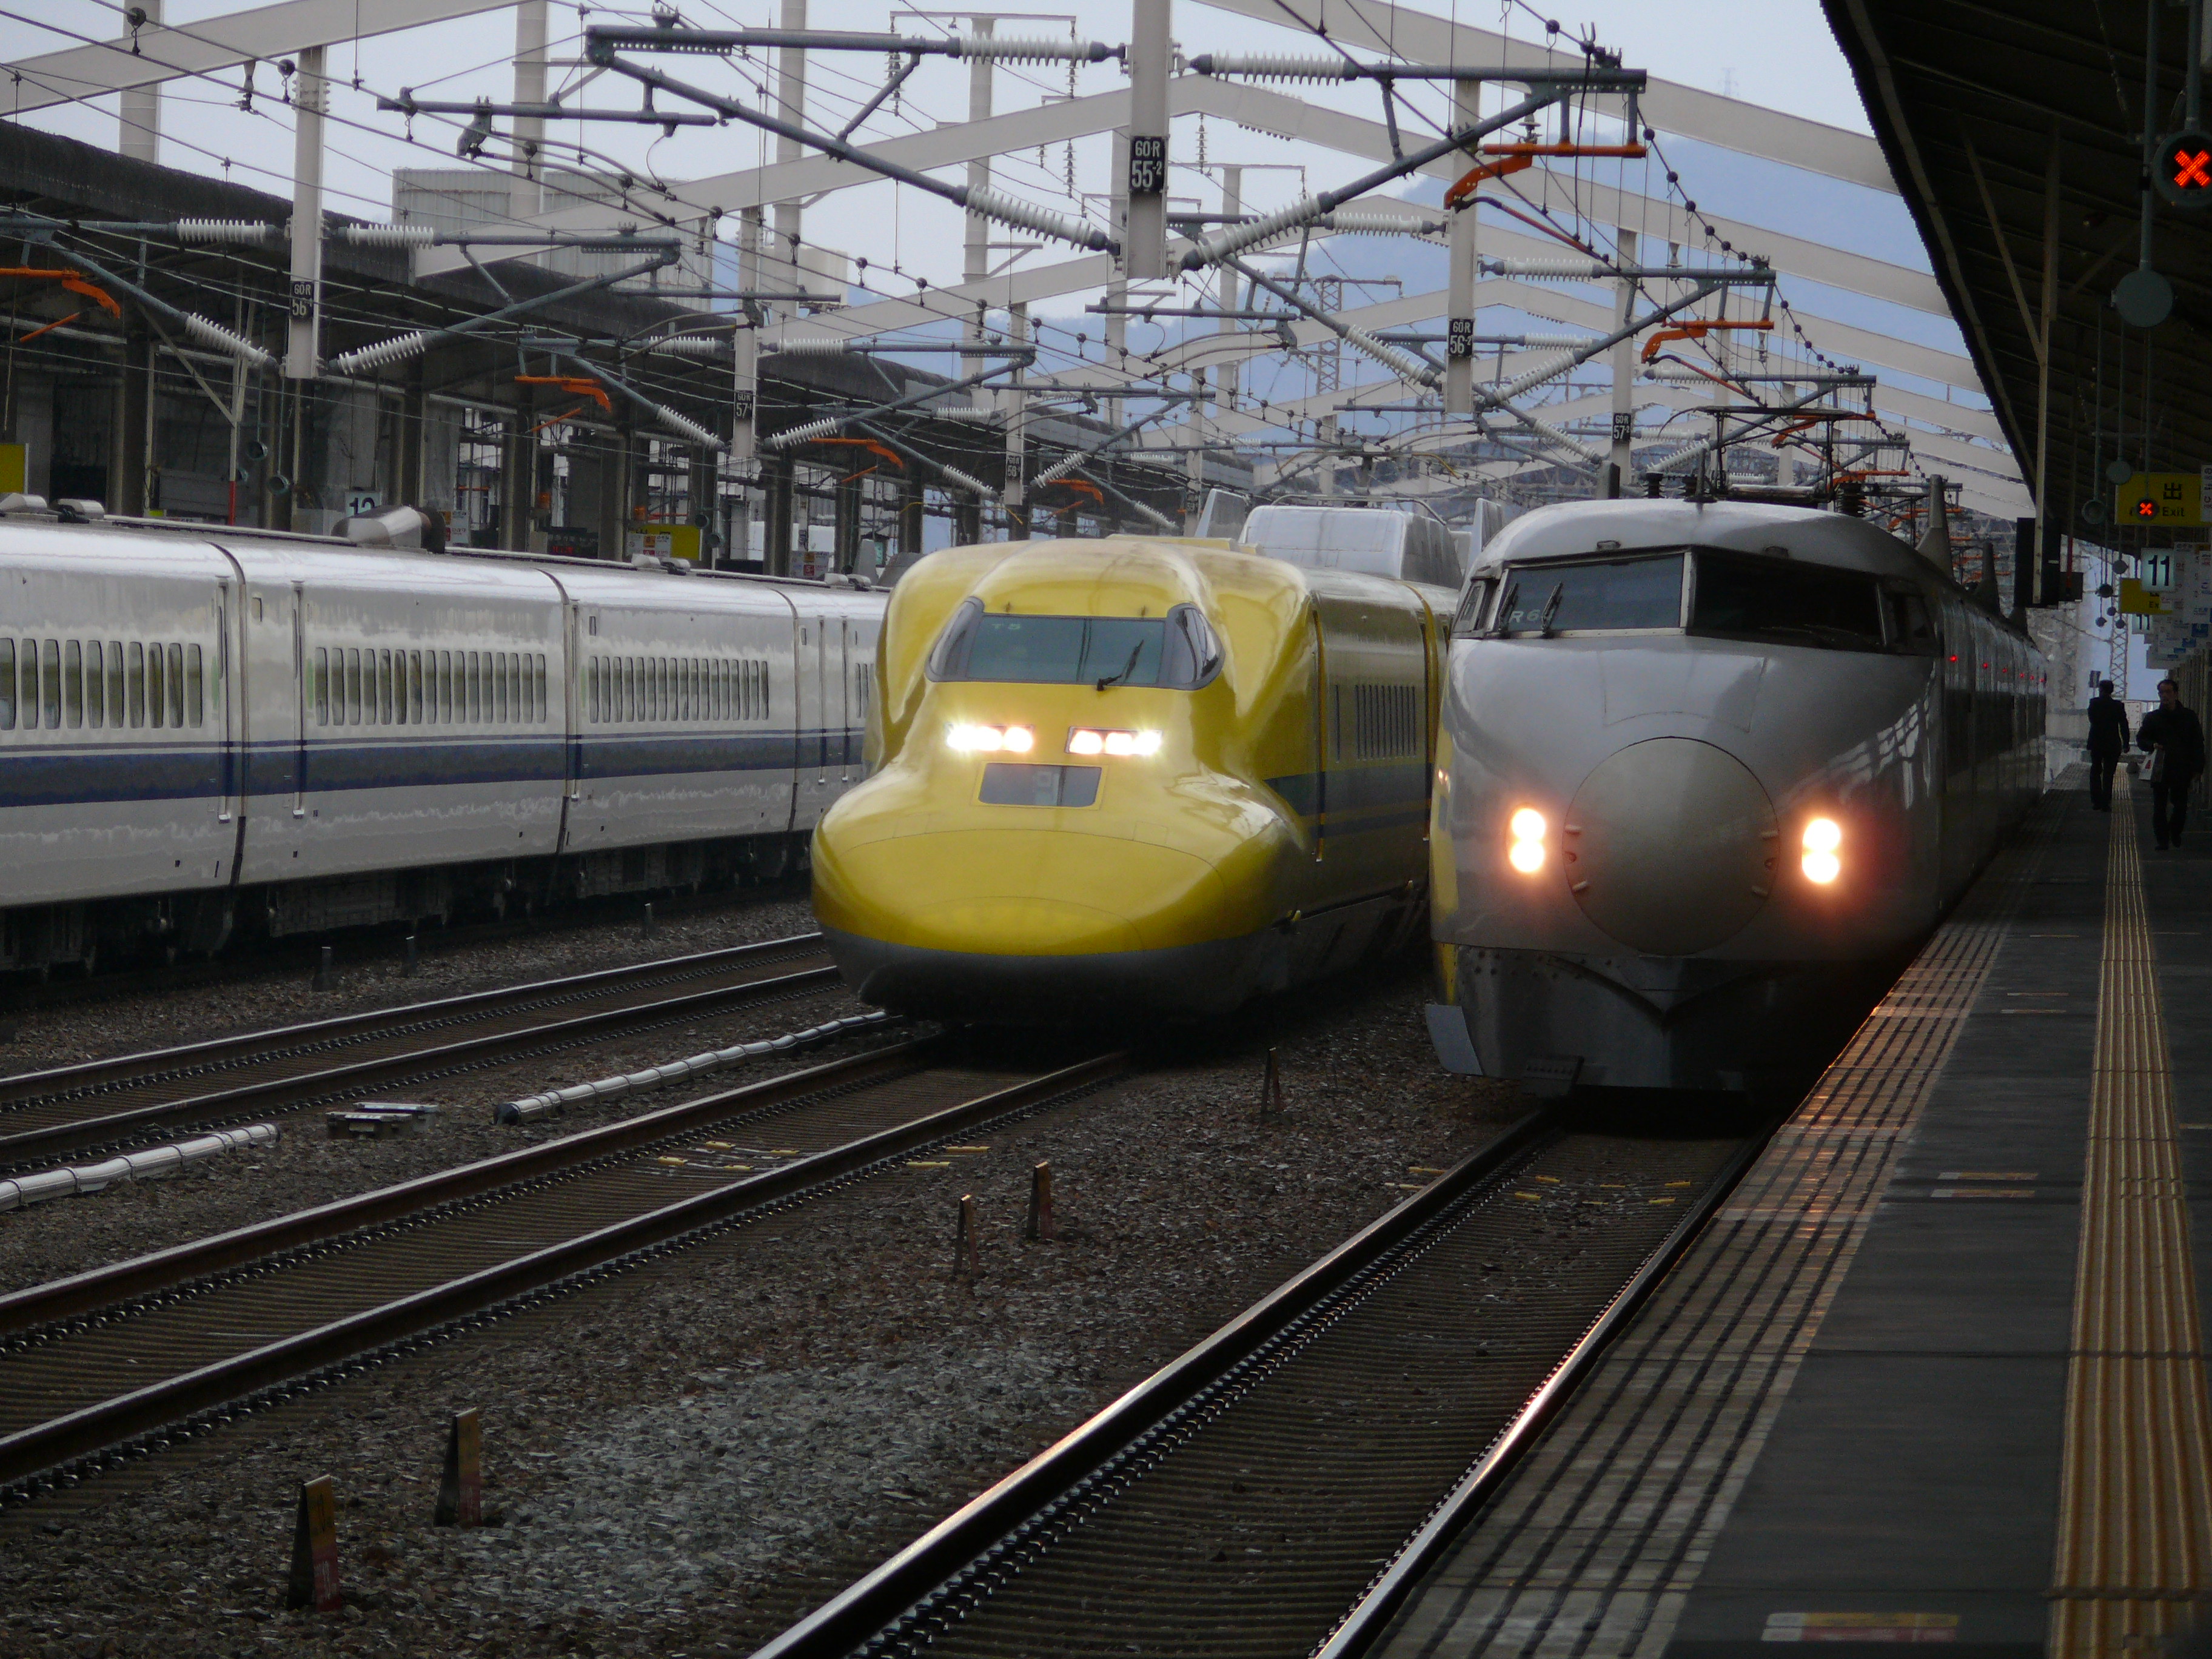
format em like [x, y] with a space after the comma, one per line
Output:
[969, 412]
[1234, 238]
[1558, 362]
[1579, 271]
[384, 351]
[223, 339]
[806, 434]
[1281, 66]
[389, 235]
[837, 348]
[1406, 367]
[1157, 517]
[1026, 216]
[692, 345]
[1570, 342]
[247, 231]
[1019, 49]
[1378, 224]
[1552, 434]
[687, 427]
[954, 475]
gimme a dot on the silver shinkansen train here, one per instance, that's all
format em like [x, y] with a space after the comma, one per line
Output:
[204, 729]
[1704, 774]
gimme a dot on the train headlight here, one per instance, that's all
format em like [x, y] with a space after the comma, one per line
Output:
[990, 739]
[1822, 837]
[1088, 740]
[1529, 829]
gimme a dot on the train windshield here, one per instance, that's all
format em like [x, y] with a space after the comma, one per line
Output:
[1610, 596]
[1786, 602]
[1177, 651]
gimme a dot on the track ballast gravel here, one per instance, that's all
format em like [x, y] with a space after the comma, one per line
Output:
[687, 1458]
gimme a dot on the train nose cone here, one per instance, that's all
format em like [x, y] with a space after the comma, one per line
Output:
[1672, 843]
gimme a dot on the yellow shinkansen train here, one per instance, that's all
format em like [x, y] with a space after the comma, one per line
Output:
[1132, 775]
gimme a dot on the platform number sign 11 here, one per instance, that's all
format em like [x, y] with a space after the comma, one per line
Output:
[2183, 172]
[1148, 165]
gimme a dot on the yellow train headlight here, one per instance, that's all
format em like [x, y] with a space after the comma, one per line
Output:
[1090, 740]
[966, 739]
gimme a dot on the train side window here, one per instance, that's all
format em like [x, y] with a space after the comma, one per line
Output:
[7, 685]
[157, 687]
[322, 686]
[176, 685]
[195, 686]
[50, 689]
[538, 682]
[767, 694]
[352, 686]
[1910, 629]
[115, 683]
[137, 681]
[414, 686]
[73, 683]
[591, 690]
[95, 686]
[1467, 621]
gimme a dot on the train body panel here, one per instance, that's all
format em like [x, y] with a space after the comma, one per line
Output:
[1221, 851]
[353, 735]
[141, 803]
[1703, 770]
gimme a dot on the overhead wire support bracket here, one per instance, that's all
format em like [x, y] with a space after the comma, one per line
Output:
[715, 43]
[402, 347]
[485, 108]
[200, 328]
[829, 424]
[1217, 250]
[682, 425]
[989, 202]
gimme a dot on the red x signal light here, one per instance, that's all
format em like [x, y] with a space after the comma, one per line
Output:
[2184, 176]
[2146, 508]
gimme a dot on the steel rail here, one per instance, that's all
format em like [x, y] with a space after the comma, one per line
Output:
[352, 1080]
[85, 1075]
[33, 1454]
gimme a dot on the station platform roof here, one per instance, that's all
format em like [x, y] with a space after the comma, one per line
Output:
[2016, 134]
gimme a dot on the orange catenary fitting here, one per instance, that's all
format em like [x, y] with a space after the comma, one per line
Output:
[1796, 427]
[1465, 188]
[870, 446]
[1696, 330]
[580, 385]
[68, 279]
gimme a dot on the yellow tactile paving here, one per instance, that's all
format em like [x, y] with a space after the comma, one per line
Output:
[2135, 1505]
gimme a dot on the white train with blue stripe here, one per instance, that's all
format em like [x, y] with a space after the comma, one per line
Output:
[205, 730]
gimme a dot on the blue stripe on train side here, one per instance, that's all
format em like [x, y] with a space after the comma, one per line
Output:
[93, 775]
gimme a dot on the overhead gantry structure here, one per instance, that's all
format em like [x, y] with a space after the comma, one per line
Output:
[1509, 410]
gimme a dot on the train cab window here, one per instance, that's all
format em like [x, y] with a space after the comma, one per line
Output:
[1786, 601]
[1177, 651]
[1467, 621]
[1603, 596]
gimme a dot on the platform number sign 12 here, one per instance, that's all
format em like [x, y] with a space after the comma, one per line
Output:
[2183, 172]
[1148, 165]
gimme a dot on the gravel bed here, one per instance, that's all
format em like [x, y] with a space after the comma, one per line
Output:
[133, 1022]
[305, 1167]
[684, 1459]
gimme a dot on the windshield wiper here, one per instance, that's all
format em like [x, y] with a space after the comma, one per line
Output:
[1506, 612]
[1551, 609]
[1127, 668]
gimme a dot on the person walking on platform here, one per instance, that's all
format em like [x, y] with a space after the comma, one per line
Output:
[2174, 739]
[2108, 738]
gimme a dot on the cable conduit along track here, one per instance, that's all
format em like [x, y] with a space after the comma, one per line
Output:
[251, 1317]
[75, 1111]
[1273, 1491]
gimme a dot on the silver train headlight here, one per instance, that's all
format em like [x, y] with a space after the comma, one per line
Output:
[1529, 829]
[1821, 839]
[967, 739]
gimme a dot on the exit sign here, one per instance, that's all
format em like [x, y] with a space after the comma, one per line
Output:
[2160, 498]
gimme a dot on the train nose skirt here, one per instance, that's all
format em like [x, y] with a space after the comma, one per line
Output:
[1672, 845]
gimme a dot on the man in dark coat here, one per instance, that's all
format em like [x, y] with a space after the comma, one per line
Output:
[2174, 739]
[2108, 739]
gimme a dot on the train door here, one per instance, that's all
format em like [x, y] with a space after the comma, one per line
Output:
[809, 723]
[229, 713]
[299, 733]
[844, 702]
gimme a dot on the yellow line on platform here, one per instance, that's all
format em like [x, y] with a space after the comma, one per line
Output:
[2134, 1509]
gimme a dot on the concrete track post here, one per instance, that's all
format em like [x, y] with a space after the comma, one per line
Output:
[1151, 29]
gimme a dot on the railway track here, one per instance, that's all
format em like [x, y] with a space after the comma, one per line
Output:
[115, 1362]
[1273, 1493]
[107, 1104]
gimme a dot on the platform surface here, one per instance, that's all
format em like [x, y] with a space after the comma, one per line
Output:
[1936, 1373]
